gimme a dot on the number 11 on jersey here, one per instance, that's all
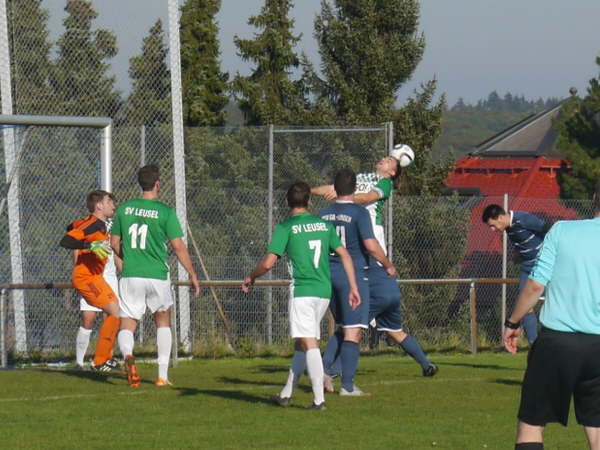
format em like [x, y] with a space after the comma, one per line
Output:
[138, 231]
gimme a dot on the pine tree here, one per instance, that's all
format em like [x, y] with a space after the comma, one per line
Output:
[30, 49]
[81, 80]
[149, 102]
[579, 141]
[269, 95]
[368, 48]
[204, 85]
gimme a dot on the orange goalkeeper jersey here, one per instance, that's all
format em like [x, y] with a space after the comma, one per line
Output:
[88, 229]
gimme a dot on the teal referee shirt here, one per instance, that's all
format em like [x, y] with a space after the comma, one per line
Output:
[569, 266]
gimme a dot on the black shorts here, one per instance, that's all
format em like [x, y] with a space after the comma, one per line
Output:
[561, 365]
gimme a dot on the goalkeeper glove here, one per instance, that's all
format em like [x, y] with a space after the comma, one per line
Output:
[101, 249]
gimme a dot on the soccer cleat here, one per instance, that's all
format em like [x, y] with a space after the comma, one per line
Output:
[284, 402]
[355, 392]
[113, 363]
[133, 378]
[104, 367]
[160, 382]
[430, 371]
[79, 367]
[328, 384]
[319, 407]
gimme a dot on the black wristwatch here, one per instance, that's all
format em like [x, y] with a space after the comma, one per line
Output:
[512, 326]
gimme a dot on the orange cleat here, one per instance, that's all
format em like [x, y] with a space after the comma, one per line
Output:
[133, 378]
[160, 382]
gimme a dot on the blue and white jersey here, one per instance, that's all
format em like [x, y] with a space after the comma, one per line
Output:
[526, 232]
[353, 225]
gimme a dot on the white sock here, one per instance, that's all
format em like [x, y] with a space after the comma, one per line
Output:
[81, 344]
[296, 370]
[163, 344]
[125, 340]
[314, 364]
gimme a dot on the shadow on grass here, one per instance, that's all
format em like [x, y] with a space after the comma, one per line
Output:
[507, 382]
[99, 377]
[271, 369]
[228, 395]
[482, 366]
[230, 380]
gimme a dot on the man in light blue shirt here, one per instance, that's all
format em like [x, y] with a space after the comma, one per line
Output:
[564, 362]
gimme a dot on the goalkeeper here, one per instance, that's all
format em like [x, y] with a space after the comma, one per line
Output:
[89, 235]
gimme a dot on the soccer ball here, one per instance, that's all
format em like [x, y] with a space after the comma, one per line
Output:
[404, 154]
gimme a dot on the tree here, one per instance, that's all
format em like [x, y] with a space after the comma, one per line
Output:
[81, 80]
[579, 141]
[31, 65]
[150, 101]
[269, 95]
[368, 48]
[204, 85]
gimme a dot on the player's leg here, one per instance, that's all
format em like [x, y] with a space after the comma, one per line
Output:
[132, 305]
[385, 301]
[593, 437]
[160, 301]
[297, 368]
[96, 291]
[529, 321]
[305, 315]
[82, 341]
[331, 358]
[529, 437]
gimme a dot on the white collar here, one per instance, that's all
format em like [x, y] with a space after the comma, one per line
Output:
[511, 219]
[344, 201]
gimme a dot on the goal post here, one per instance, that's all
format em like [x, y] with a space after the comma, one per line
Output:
[41, 183]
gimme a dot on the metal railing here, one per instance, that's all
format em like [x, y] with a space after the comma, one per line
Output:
[470, 282]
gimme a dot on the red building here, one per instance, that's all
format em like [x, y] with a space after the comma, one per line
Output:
[522, 162]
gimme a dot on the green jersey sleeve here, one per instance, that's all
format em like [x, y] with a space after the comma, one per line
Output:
[384, 188]
[334, 239]
[173, 227]
[279, 241]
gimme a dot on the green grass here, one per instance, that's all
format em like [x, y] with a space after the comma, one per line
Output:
[470, 404]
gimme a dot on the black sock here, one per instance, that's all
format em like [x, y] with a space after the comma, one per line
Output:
[530, 446]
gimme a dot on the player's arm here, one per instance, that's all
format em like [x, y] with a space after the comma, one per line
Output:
[73, 241]
[115, 243]
[534, 223]
[367, 197]
[534, 288]
[375, 250]
[118, 263]
[266, 264]
[183, 256]
[381, 190]
[354, 297]
[326, 191]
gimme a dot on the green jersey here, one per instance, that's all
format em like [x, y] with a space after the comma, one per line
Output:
[145, 226]
[366, 182]
[307, 241]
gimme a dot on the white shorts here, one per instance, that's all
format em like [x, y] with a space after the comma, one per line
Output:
[113, 282]
[306, 314]
[137, 293]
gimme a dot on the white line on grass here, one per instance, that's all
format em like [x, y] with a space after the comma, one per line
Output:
[64, 397]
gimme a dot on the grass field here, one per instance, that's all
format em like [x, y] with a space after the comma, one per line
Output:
[470, 404]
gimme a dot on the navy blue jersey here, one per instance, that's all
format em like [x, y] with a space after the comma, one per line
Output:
[353, 225]
[526, 232]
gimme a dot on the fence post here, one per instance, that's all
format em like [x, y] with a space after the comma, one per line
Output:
[269, 234]
[504, 269]
[473, 314]
[390, 234]
[3, 295]
[174, 341]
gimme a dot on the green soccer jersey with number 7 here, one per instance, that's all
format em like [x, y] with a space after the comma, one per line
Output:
[307, 240]
[145, 226]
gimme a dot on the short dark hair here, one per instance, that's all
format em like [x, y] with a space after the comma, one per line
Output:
[492, 212]
[298, 195]
[148, 176]
[345, 182]
[95, 197]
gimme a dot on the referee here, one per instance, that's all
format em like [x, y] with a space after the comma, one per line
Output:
[564, 362]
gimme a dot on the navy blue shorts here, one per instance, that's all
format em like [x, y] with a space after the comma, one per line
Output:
[345, 316]
[384, 305]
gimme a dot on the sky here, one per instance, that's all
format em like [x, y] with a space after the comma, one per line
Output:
[535, 48]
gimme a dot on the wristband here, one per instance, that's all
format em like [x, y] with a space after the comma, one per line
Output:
[511, 325]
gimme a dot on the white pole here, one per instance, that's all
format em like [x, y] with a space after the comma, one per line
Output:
[390, 208]
[106, 159]
[504, 270]
[179, 164]
[270, 234]
[13, 192]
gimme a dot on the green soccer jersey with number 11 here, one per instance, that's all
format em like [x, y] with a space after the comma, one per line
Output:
[145, 226]
[307, 241]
